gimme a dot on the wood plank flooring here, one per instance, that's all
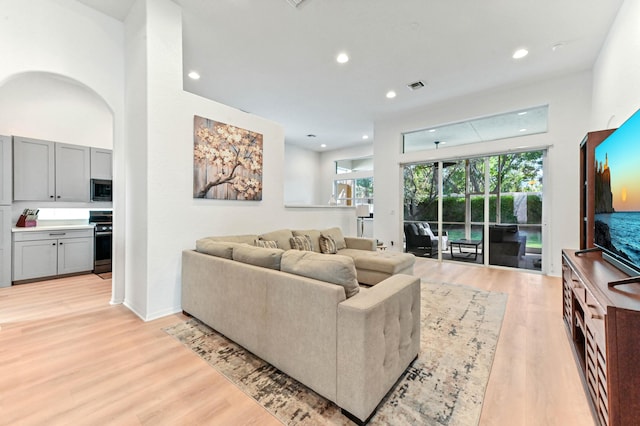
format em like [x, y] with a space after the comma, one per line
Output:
[68, 357]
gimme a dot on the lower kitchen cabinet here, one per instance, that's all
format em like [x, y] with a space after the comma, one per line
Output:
[5, 246]
[42, 254]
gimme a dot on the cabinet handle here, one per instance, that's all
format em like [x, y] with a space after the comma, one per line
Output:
[53, 234]
[50, 196]
[53, 244]
[58, 196]
[59, 244]
[594, 315]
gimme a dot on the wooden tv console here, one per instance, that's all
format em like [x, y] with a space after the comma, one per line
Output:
[604, 327]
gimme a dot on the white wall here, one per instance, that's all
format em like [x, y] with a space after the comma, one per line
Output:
[51, 107]
[301, 177]
[163, 217]
[569, 99]
[616, 73]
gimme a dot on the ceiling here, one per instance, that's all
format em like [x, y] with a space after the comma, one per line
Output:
[278, 61]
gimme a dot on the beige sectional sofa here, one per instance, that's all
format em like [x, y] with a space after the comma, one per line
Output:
[304, 312]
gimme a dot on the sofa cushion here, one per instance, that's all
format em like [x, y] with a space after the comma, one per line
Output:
[334, 269]
[389, 262]
[258, 256]
[314, 234]
[246, 239]
[336, 234]
[281, 236]
[301, 242]
[216, 248]
[327, 245]
[266, 243]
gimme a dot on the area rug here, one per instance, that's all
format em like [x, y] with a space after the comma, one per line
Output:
[444, 386]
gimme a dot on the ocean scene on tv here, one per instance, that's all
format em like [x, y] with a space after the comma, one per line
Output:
[617, 192]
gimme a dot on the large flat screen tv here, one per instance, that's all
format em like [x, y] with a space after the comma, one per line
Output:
[617, 196]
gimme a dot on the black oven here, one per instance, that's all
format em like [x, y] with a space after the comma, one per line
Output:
[103, 230]
[101, 190]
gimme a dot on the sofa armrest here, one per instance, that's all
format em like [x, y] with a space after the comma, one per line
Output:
[378, 337]
[360, 243]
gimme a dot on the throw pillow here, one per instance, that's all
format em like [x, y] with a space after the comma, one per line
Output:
[314, 234]
[266, 243]
[301, 242]
[281, 236]
[328, 244]
[336, 233]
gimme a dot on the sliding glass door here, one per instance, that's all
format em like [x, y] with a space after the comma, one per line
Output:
[491, 209]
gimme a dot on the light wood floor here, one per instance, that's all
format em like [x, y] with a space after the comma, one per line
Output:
[68, 357]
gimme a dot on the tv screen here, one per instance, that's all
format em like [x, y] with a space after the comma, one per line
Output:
[617, 196]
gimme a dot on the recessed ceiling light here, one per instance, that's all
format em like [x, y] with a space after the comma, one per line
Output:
[557, 46]
[365, 137]
[391, 94]
[194, 75]
[342, 58]
[324, 145]
[520, 53]
[432, 130]
[523, 130]
[522, 113]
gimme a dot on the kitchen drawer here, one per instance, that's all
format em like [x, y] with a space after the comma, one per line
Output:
[52, 234]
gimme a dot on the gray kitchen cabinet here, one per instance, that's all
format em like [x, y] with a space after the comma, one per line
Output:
[73, 172]
[34, 259]
[41, 254]
[5, 170]
[33, 169]
[5, 211]
[50, 171]
[75, 255]
[5, 246]
[101, 164]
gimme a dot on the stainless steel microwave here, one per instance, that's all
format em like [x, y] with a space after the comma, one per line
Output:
[101, 190]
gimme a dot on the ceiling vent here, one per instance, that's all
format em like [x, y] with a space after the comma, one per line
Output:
[295, 3]
[415, 85]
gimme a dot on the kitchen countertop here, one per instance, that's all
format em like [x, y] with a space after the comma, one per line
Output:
[50, 228]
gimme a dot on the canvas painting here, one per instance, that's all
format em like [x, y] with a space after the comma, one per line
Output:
[227, 161]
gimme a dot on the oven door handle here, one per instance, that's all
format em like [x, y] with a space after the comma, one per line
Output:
[103, 234]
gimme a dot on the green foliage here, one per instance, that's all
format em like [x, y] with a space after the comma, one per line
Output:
[521, 172]
[454, 209]
[534, 208]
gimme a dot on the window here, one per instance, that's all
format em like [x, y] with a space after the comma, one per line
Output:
[513, 200]
[352, 192]
[508, 125]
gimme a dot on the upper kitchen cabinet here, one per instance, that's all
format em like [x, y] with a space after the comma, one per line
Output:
[73, 172]
[5, 170]
[101, 160]
[50, 171]
[33, 169]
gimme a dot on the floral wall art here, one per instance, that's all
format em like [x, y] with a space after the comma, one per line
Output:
[227, 161]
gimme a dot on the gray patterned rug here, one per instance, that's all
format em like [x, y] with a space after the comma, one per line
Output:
[444, 386]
